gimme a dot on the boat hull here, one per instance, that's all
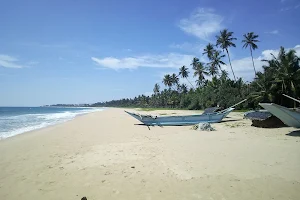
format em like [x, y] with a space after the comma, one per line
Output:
[288, 116]
[180, 120]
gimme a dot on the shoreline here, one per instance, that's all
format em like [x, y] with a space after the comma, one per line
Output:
[50, 125]
[104, 155]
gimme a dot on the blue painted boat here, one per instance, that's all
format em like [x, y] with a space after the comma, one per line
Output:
[150, 120]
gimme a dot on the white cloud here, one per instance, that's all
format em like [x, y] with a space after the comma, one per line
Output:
[9, 62]
[202, 23]
[244, 68]
[171, 60]
[274, 32]
[286, 9]
[290, 8]
[196, 48]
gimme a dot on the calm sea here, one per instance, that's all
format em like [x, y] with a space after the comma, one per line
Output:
[17, 120]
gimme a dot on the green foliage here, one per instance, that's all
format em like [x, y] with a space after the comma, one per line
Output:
[280, 75]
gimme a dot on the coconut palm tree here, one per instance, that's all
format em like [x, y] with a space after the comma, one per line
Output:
[156, 88]
[195, 62]
[174, 79]
[224, 41]
[199, 82]
[200, 71]
[216, 62]
[213, 70]
[264, 89]
[183, 71]
[285, 69]
[209, 50]
[224, 75]
[183, 88]
[167, 81]
[249, 41]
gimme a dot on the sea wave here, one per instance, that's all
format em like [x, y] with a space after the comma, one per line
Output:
[18, 124]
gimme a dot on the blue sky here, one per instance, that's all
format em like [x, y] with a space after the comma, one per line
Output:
[84, 51]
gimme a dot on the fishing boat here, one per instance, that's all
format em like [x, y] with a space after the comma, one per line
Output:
[289, 116]
[150, 120]
[209, 116]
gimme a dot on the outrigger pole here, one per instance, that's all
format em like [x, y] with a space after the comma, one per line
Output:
[291, 98]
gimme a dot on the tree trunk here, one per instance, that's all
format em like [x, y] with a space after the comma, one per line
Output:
[253, 62]
[230, 64]
[190, 83]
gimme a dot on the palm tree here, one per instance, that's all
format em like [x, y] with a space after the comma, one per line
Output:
[281, 76]
[183, 88]
[199, 82]
[216, 62]
[285, 69]
[209, 50]
[195, 62]
[249, 41]
[200, 71]
[213, 70]
[224, 75]
[174, 79]
[264, 89]
[156, 88]
[183, 71]
[224, 40]
[167, 81]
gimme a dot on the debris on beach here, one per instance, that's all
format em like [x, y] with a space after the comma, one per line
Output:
[235, 125]
[83, 198]
[263, 119]
[203, 127]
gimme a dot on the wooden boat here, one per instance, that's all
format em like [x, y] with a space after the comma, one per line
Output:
[289, 116]
[150, 120]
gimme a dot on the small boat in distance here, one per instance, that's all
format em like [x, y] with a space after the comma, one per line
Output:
[289, 116]
[150, 120]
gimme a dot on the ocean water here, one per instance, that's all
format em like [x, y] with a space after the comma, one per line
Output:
[18, 120]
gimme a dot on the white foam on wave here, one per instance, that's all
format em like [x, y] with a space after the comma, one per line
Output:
[29, 122]
[23, 130]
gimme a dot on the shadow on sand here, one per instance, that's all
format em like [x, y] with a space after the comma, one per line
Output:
[146, 125]
[230, 120]
[294, 133]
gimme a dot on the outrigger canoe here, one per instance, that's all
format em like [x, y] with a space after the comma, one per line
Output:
[289, 116]
[150, 120]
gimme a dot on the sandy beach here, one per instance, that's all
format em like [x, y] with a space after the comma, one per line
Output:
[104, 155]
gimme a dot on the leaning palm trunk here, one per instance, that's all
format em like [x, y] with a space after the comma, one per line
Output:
[190, 83]
[230, 64]
[253, 62]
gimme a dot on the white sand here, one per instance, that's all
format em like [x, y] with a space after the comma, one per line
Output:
[103, 155]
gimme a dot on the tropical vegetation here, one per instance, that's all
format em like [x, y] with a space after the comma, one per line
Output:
[213, 87]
